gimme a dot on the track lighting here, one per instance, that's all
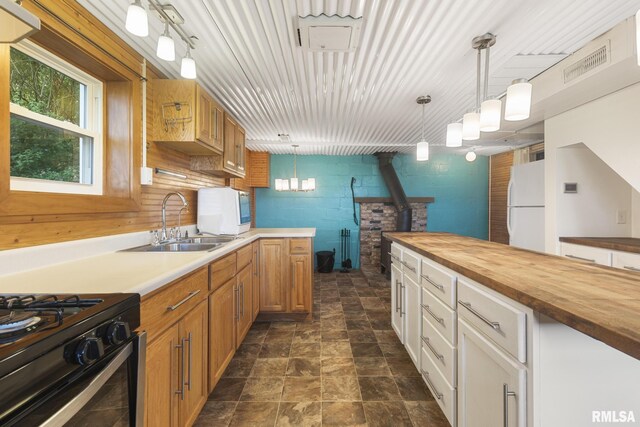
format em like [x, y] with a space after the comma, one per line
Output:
[166, 47]
[188, 66]
[137, 22]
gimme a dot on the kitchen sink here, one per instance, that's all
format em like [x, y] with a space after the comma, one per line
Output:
[176, 247]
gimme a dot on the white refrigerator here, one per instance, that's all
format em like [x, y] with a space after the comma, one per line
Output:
[525, 206]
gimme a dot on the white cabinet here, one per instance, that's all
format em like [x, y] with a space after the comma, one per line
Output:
[396, 301]
[626, 260]
[411, 304]
[491, 385]
[586, 253]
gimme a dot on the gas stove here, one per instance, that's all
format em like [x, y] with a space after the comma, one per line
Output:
[52, 344]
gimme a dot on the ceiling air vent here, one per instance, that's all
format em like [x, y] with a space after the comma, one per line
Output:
[587, 64]
[324, 33]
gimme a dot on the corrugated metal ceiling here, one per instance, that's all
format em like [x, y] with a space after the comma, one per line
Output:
[362, 102]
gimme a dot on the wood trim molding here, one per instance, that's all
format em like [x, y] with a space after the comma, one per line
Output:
[389, 200]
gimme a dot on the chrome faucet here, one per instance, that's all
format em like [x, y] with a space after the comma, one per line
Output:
[163, 235]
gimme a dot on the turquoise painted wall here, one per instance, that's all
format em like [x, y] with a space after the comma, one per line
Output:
[460, 189]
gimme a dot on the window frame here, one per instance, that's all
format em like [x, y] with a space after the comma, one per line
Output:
[94, 119]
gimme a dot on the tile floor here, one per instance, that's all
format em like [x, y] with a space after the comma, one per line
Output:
[344, 368]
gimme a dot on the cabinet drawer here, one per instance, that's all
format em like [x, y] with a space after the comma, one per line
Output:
[441, 351]
[440, 281]
[626, 260]
[440, 316]
[396, 254]
[442, 392]
[244, 257]
[410, 265]
[586, 253]
[496, 318]
[300, 246]
[173, 301]
[221, 271]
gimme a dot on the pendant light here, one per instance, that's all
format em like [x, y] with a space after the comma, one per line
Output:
[483, 118]
[454, 135]
[188, 65]
[471, 126]
[137, 22]
[166, 47]
[283, 184]
[490, 113]
[422, 148]
[518, 105]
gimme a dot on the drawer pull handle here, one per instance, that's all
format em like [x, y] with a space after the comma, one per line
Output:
[433, 350]
[628, 267]
[190, 340]
[187, 298]
[408, 266]
[580, 258]
[181, 348]
[505, 403]
[437, 285]
[394, 257]
[425, 375]
[398, 284]
[438, 319]
[467, 305]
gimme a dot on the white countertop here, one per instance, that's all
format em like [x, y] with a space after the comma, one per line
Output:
[130, 272]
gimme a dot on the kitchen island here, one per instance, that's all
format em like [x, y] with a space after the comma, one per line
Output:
[558, 339]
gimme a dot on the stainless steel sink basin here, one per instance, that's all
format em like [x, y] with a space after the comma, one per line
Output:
[176, 247]
[210, 239]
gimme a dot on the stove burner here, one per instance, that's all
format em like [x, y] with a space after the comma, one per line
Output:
[16, 323]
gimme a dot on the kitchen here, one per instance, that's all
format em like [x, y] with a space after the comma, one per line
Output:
[150, 165]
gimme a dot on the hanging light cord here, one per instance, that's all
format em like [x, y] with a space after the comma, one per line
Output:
[295, 156]
[422, 122]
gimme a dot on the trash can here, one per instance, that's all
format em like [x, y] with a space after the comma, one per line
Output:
[325, 260]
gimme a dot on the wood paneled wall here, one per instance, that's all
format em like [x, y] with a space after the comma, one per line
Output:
[499, 174]
[20, 231]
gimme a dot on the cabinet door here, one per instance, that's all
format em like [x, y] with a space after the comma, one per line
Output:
[222, 330]
[217, 126]
[203, 116]
[229, 155]
[194, 338]
[301, 279]
[240, 143]
[161, 380]
[273, 275]
[255, 293]
[491, 385]
[244, 284]
[396, 302]
[412, 318]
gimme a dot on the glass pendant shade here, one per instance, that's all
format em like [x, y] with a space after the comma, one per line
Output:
[312, 184]
[470, 156]
[422, 151]
[278, 185]
[454, 135]
[490, 113]
[188, 66]
[137, 22]
[471, 126]
[518, 104]
[285, 185]
[166, 47]
[294, 184]
[305, 185]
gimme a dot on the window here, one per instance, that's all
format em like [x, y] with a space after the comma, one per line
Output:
[56, 124]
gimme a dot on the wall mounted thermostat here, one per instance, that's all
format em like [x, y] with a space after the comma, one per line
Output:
[570, 187]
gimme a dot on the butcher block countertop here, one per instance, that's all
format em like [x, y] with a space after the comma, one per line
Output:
[624, 244]
[601, 302]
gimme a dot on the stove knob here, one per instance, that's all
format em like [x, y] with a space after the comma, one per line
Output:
[88, 351]
[118, 332]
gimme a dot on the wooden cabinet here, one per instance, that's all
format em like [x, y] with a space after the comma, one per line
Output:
[258, 169]
[301, 279]
[231, 164]
[194, 343]
[161, 401]
[222, 330]
[244, 315]
[273, 275]
[255, 292]
[229, 155]
[182, 117]
[491, 385]
[175, 319]
[217, 126]
[240, 141]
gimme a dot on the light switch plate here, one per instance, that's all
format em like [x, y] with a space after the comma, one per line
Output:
[146, 176]
[621, 217]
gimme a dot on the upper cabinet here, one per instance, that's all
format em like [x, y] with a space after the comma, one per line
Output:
[231, 164]
[186, 117]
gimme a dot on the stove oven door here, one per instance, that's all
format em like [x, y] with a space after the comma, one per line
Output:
[109, 394]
